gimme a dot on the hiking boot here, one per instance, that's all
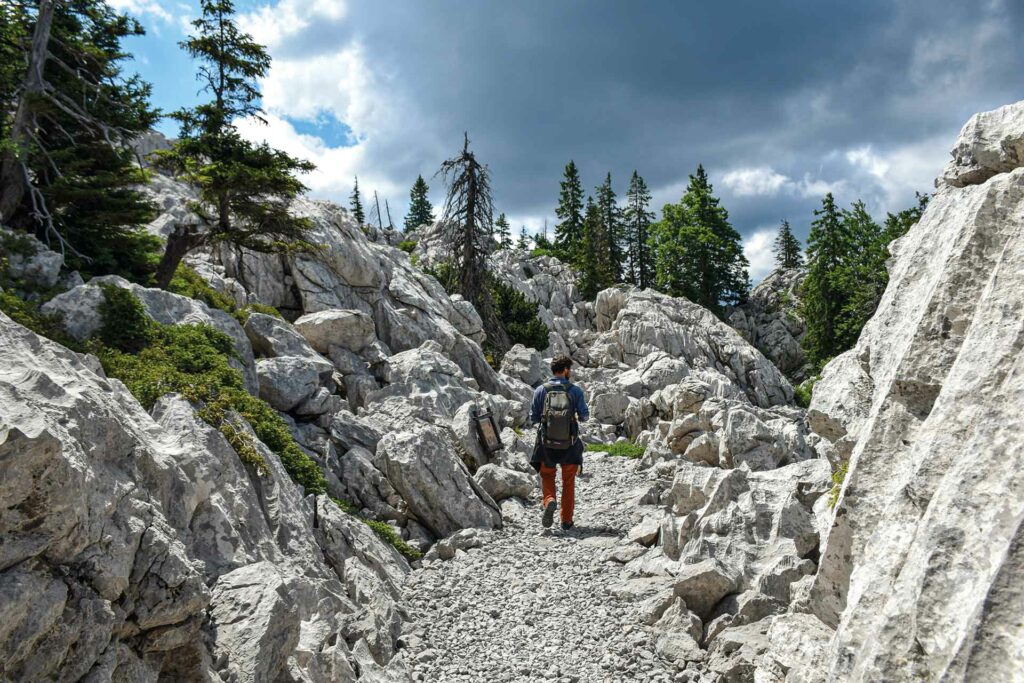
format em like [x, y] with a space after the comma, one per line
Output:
[567, 525]
[549, 514]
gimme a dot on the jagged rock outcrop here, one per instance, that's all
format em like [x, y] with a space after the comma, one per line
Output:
[139, 547]
[920, 571]
[769, 320]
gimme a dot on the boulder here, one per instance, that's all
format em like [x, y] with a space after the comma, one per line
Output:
[29, 260]
[501, 483]
[271, 337]
[422, 466]
[524, 364]
[286, 382]
[349, 329]
[703, 584]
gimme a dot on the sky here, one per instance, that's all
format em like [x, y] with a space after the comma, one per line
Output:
[780, 101]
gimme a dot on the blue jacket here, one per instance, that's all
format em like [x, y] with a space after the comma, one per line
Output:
[575, 395]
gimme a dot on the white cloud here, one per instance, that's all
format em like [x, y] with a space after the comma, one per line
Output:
[274, 25]
[757, 247]
[141, 8]
[764, 181]
[750, 182]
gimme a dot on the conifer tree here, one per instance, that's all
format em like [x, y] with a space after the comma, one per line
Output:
[68, 112]
[637, 219]
[569, 230]
[466, 220]
[611, 228]
[244, 189]
[697, 253]
[504, 232]
[822, 296]
[421, 212]
[524, 239]
[356, 204]
[787, 248]
[596, 270]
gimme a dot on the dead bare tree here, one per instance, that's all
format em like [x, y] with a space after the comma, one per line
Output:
[466, 221]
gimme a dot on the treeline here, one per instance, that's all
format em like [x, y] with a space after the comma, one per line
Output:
[693, 251]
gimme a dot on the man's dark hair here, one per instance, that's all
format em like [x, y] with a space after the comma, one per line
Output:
[560, 363]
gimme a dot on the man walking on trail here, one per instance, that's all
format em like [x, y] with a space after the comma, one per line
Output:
[559, 406]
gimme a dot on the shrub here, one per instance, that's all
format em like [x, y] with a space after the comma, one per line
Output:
[154, 359]
[624, 449]
[543, 251]
[28, 314]
[838, 477]
[187, 282]
[407, 245]
[802, 392]
[384, 530]
[518, 316]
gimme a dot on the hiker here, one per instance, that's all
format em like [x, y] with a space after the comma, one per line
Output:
[559, 406]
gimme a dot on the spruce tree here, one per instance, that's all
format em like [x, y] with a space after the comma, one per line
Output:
[697, 253]
[68, 113]
[466, 220]
[524, 239]
[569, 230]
[244, 189]
[356, 204]
[787, 248]
[596, 270]
[613, 235]
[637, 219]
[421, 212]
[823, 296]
[504, 232]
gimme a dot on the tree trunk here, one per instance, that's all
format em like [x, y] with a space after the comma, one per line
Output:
[12, 179]
[178, 244]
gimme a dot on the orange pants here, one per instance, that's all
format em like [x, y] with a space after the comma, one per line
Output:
[547, 486]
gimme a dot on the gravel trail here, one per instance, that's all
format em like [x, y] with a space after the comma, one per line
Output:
[534, 605]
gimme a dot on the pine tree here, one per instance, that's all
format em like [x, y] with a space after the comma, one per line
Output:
[787, 248]
[421, 212]
[67, 115]
[697, 253]
[611, 228]
[356, 204]
[504, 232]
[822, 296]
[637, 221]
[524, 239]
[466, 220]
[862, 276]
[569, 230]
[244, 189]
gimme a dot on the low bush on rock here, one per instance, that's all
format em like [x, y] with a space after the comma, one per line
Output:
[382, 529]
[154, 359]
[838, 477]
[623, 449]
[407, 245]
[187, 282]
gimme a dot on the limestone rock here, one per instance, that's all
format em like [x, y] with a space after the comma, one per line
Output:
[287, 381]
[349, 329]
[501, 483]
[524, 364]
[423, 467]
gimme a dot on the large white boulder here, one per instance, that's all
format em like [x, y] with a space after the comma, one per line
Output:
[352, 330]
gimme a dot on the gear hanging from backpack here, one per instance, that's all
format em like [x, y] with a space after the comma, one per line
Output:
[558, 417]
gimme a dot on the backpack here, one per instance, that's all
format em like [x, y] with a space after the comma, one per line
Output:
[558, 417]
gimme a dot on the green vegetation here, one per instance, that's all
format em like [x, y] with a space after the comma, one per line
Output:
[382, 529]
[407, 245]
[504, 232]
[153, 359]
[624, 449]
[846, 274]
[63, 108]
[244, 189]
[838, 477]
[697, 253]
[421, 212]
[802, 392]
[356, 205]
[541, 251]
[187, 282]
[787, 248]
[637, 220]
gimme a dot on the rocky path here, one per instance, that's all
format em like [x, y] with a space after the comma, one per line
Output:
[535, 605]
